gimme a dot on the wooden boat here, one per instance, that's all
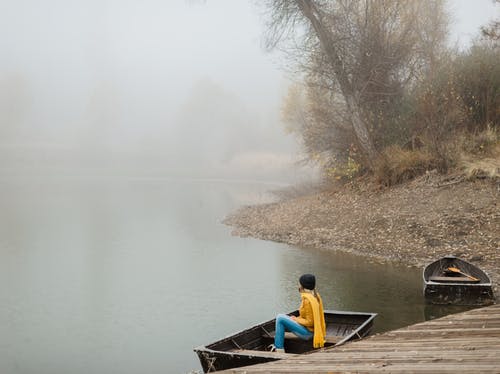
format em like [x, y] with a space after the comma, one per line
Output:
[451, 280]
[250, 346]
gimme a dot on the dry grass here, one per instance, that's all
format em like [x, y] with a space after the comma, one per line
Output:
[481, 144]
[480, 154]
[396, 165]
[488, 166]
[476, 155]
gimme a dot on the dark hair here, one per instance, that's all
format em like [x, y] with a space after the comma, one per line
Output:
[308, 281]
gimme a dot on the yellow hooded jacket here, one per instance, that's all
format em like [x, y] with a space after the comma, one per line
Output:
[311, 315]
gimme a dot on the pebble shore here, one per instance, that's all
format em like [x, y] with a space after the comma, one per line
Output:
[414, 223]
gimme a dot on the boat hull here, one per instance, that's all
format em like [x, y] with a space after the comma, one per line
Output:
[212, 361]
[457, 290]
[248, 347]
[458, 294]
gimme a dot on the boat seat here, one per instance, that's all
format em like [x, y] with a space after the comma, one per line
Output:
[452, 279]
[331, 339]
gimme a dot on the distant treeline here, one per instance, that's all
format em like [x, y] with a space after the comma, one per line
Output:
[379, 92]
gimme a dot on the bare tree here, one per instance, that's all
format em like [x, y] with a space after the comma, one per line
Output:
[366, 51]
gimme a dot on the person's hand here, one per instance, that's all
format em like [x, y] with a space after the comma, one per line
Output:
[293, 317]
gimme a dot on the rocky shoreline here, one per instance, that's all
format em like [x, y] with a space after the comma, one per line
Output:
[414, 223]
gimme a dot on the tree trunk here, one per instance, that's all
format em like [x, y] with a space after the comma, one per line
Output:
[361, 131]
[309, 10]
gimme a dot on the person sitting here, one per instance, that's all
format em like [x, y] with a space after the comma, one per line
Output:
[311, 320]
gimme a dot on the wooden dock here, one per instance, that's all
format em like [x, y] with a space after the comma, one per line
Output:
[466, 342]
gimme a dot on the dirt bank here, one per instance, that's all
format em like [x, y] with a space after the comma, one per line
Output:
[413, 223]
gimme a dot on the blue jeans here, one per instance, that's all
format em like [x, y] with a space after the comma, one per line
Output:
[285, 323]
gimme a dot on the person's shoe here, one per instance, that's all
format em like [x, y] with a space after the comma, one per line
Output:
[272, 348]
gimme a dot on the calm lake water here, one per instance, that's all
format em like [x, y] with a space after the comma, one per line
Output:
[127, 276]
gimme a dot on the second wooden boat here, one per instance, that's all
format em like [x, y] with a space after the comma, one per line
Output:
[451, 280]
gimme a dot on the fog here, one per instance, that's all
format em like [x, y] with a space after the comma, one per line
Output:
[149, 88]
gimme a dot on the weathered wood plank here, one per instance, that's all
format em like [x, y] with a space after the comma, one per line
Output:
[435, 345]
[367, 368]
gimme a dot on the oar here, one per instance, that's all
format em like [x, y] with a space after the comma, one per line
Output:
[456, 270]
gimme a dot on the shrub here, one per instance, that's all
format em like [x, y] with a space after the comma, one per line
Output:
[464, 93]
[343, 171]
[478, 85]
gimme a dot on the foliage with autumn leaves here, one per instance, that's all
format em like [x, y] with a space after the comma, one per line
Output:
[446, 119]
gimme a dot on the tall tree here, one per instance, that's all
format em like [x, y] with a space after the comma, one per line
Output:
[365, 51]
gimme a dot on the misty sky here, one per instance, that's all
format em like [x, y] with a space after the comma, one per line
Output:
[179, 86]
